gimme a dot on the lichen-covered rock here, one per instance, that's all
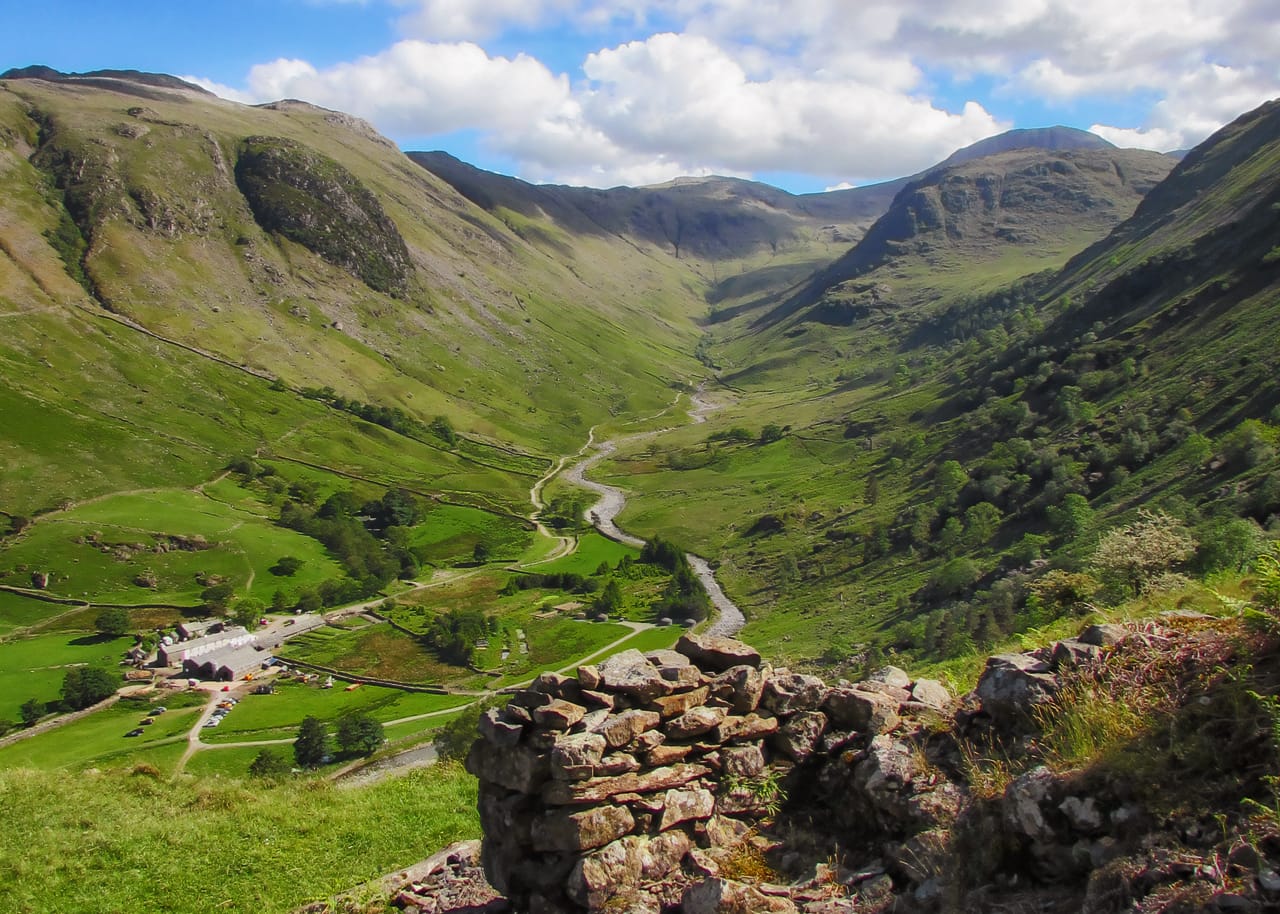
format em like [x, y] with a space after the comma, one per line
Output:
[738, 729]
[797, 738]
[597, 790]
[741, 686]
[932, 694]
[866, 712]
[694, 722]
[612, 872]
[715, 653]
[564, 830]
[1072, 653]
[1105, 634]
[621, 729]
[558, 714]
[1026, 803]
[629, 673]
[1012, 684]
[686, 805]
[786, 692]
[891, 676]
[725, 896]
[500, 733]
[680, 702]
[742, 761]
[575, 757]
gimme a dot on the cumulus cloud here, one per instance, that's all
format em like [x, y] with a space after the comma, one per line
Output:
[417, 87]
[1196, 105]
[845, 91]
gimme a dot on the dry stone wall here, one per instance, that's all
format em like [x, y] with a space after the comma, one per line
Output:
[615, 789]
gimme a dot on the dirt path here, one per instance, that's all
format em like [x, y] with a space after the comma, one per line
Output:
[194, 744]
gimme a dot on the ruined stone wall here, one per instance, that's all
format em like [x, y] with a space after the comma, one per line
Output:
[613, 790]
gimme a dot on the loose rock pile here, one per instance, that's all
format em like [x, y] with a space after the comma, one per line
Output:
[616, 790]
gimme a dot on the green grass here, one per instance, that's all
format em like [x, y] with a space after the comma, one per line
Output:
[34, 667]
[99, 739]
[229, 761]
[448, 534]
[279, 715]
[120, 842]
[21, 612]
[130, 529]
[379, 651]
[593, 550]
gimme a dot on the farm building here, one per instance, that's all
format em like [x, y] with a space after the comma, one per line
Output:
[178, 654]
[191, 630]
[225, 663]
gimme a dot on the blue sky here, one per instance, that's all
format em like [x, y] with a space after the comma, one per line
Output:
[806, 95]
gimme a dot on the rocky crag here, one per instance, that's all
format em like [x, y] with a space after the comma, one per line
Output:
[703, 780]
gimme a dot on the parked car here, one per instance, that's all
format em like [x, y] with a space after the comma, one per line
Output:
[136, 731]
[146, 721]
[157, 711]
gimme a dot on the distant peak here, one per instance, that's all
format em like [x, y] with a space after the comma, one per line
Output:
[1055, 139]
[101, 77]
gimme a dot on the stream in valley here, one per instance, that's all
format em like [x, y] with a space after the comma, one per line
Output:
[611, 500]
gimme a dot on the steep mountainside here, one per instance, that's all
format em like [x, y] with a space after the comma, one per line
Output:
[703, 218]
[1026, 201]
[932, 470]
[291, 243]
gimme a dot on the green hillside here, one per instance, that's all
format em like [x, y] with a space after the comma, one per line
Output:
[940, 461]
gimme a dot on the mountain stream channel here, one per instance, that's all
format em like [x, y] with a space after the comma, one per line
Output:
[603, 515]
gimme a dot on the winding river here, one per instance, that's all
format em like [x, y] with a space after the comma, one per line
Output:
[603, 514]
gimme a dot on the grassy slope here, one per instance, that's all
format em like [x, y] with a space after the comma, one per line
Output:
[198, 845]
[891, 399]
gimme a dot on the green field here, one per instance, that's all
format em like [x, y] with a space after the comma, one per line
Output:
[21, 612]
[379, 651]
[116, 841]
[448, 534]
[96, 550]
[592, 551]
[99, 739]
[34, 667]
[277, 716]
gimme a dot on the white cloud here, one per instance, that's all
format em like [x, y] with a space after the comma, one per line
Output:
[1196, 105]
[415, 87]
[825, 87]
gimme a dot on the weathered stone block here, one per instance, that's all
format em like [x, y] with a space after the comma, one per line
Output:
[742, 761]
[797, 738]
[932, 694]
[686, 806]
[562, 830]
[891, 675]
[738, 729]
[498, 732]
[575, 757]
[786, 692]
[741, 686]
[558, 714]
[694, 722]
[629, 673]
[621, 729]
[866, 712]
[714, 653]
[597, 790]
[680, 702]
[725, 896]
